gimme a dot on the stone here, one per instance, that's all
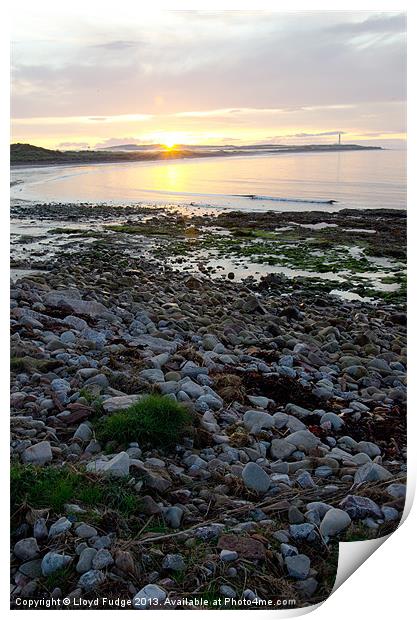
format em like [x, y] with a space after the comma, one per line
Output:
[371, 472]
[59, 527]
[397, 490]
[174, 562]
[298, 566]
[124, 561]
[303, 439]
[40, 530]
[257, 419]
[255, 478]
[295, 515]
[281, 449]
[85, 531]
[117, 467]
[31, 569]
[320, 507]
[153, 375]
[323, 471]
[334, 522]
[149, 596]
[246, 547]
[305, 480]
[68, 299]
[91, 580]
[259, 401]
[52, 562]
[297, 411]
[288, 550]
[26, 549]
[369, 448]
[190, 369]
[209, 532]
[102, 559]
[118, 403]
[303, 531]
[173, 516]
[100, 380]
[85, 561]
[38, 454]
[149, 506]
[331, 420]
[389, 513]
[83, 432]
[359, 507]
[228, 556]
[100, 542]
[227, 591]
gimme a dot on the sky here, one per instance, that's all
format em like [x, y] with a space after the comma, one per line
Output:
[201, 77]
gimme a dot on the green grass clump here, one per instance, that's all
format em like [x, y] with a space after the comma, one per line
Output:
[157, 419]
[52, 487]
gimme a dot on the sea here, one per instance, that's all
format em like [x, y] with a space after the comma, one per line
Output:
[325, 181]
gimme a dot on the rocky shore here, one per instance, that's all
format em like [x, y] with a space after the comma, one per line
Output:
[178, 437]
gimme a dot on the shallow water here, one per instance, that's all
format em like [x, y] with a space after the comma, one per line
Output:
[282, 182]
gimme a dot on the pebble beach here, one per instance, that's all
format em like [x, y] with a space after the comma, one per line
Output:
[202, 406]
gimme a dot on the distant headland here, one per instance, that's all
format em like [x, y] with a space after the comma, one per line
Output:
[28, 154]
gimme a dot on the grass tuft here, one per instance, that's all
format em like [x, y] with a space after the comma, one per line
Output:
[156, 419]
[52, 487]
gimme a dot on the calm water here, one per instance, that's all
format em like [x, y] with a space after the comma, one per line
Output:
[302, 181]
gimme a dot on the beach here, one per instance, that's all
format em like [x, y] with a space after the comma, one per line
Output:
[273, 346]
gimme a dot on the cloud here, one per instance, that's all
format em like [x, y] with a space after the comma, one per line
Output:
[73, 145]
[282, 73]
[313, 135]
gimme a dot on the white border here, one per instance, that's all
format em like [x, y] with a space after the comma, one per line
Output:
[383, 586]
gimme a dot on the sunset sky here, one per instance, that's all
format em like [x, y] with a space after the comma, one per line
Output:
[190, 77]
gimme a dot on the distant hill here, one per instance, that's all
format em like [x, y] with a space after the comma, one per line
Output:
[28, 154]
[21, 154]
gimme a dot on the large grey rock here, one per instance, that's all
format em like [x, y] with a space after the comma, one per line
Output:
[117, 467]
[102, 559]
[91, 580]
[118, 403]
[331, 420]
[369, 448]
[59, 527]
[190, 369]
[359, 507]
[38, 454]
[255, 478]
[173, 516]
[85, 561]
[281, 449]
[334, 522]
[149, 596]
[70, 300]
[173, 561]
[52, 562]
[303, 531]
[153, 375]
[371, 472]
[303, 439]
[26, 549]
[83, 432]
[397, 490]
[298, 566]
[297, 411]
[258, 419]
[84, 530]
